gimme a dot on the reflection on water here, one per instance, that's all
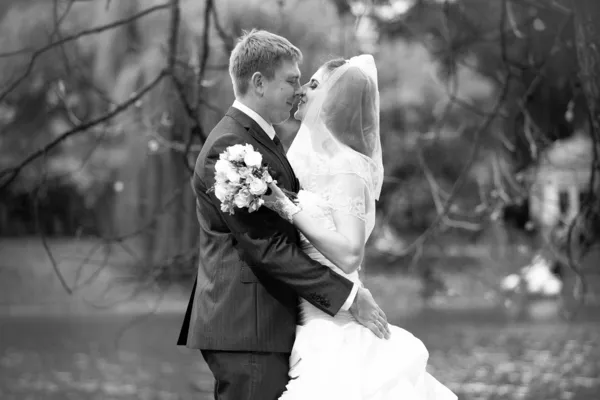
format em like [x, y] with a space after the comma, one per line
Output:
[480, 354]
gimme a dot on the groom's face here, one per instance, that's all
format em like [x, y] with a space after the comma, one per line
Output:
[280, 93]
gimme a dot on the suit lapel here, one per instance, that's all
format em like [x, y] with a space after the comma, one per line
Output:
[261, 136]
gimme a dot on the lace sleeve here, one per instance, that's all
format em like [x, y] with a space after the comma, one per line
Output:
[347, 194]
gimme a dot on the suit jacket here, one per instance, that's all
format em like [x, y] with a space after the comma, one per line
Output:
[251, 269]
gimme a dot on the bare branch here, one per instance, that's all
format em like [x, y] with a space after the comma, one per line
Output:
[205, 53]
[545, 5]
[58, 20]
[13, 53]
[9, 175]
[192, 108]
[227, 39]
[47, 249]
[173, 34]
[434, 187]
[462, 178]
[73, 37]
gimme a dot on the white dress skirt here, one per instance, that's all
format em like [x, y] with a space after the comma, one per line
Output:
[338, 358]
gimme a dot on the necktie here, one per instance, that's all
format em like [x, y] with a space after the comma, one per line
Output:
[278, 143]
[281, 148]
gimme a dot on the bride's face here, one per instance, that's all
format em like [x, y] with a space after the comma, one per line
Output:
[308, 91]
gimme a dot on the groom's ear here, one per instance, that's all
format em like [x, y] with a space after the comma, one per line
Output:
[257, 82]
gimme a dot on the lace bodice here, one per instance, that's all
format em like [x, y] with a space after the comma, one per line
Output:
[320, 209]
[344, 192]
[317, 207]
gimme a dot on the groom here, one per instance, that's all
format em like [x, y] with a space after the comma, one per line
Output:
[242, 313]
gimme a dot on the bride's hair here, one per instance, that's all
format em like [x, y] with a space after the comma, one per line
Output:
[334, 63]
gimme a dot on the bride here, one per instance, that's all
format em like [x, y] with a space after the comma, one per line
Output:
[337, 157]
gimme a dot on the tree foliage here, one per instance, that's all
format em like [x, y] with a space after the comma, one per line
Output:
[472, 92]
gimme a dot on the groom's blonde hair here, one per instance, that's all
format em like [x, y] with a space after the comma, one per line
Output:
[259, 51]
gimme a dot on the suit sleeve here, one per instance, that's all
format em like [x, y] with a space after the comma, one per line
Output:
[267, 250]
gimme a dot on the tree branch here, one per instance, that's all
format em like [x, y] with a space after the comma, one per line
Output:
[7, 176]
[73, 37]
[462, 177]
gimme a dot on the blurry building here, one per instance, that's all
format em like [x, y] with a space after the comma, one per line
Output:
[560, 181]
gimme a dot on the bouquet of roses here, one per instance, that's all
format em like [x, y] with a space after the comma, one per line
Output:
[241, 179]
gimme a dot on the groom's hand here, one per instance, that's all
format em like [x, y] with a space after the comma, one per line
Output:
[368, 313]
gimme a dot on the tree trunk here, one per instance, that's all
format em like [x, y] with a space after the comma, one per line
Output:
[587, 34]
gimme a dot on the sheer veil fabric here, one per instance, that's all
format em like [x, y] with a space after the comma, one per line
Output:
[339, 135]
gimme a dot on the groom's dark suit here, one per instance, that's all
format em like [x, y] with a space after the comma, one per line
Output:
[242, 312]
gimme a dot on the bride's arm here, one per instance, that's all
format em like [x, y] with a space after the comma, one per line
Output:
[345, 246]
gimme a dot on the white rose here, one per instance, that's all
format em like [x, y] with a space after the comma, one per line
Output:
[233, 176]
[236, 152]
[226, 208]
[257, 187]
[221, 192]
[242, 199]
[267, 177]
[231, 190]
[223, 166]
[220, 177]
[253, 159]
[245, 172]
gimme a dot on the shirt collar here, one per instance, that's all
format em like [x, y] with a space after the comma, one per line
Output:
[268, 128]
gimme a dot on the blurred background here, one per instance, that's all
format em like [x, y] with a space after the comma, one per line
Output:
[487, 242]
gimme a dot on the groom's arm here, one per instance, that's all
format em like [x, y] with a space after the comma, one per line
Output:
[265, 247]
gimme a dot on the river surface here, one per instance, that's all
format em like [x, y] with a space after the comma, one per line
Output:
[480, 355]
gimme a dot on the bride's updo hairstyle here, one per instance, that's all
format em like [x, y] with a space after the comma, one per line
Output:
[334, 63]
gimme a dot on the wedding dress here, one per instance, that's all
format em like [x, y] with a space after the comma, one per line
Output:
[337, 358]
[337, 157]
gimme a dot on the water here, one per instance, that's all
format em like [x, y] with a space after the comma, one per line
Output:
[480, 355]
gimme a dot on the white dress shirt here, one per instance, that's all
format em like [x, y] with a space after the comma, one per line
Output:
[267, 127]
[269, 130]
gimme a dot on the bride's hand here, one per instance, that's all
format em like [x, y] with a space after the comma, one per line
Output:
[367, 313]
[273, 196]
[282, 203]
